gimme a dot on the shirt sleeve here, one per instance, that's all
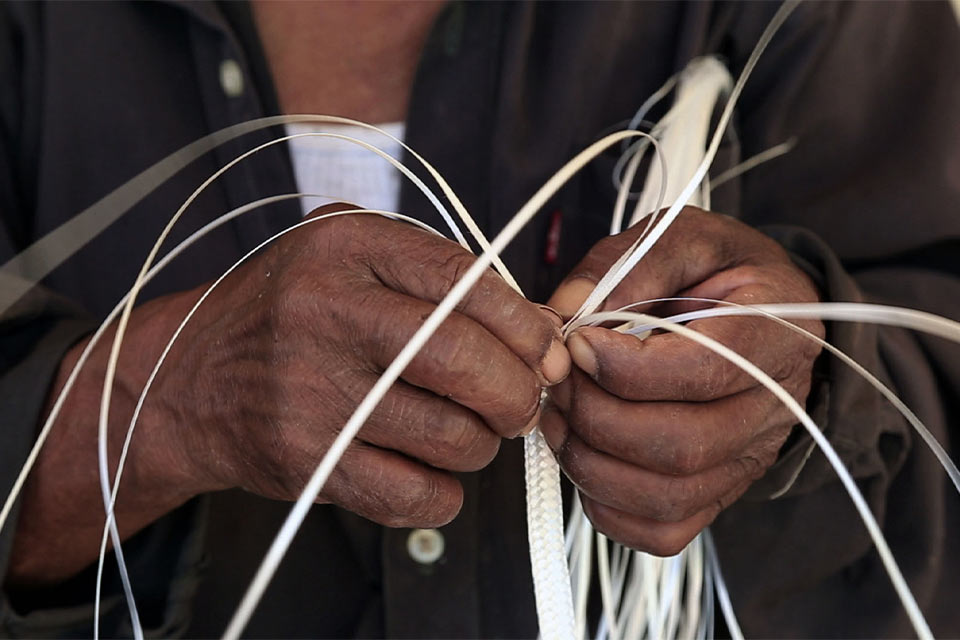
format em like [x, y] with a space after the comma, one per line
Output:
[871, 187]
[867, 204]
[35, 334]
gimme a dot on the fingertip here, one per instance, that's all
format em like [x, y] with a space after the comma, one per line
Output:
[583, 353]
[556, 363]
[568, 297]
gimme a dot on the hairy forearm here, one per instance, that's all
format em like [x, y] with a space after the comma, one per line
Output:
[62, 513]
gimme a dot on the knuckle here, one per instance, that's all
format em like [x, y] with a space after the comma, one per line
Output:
[451, 265]
[426, 266]
[466, 445]
[421, 500]
[454, 353]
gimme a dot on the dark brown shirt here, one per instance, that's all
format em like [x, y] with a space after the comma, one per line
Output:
[867, 202]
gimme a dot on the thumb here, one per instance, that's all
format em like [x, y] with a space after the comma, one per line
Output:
[697, 245]
[570, 295]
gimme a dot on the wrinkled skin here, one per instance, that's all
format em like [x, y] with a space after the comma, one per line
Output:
[334, 305]
[266, 374]
[660, 435]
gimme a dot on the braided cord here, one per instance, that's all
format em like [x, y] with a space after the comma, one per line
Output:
[551, 575]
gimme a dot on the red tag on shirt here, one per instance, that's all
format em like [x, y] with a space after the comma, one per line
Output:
[553, 237]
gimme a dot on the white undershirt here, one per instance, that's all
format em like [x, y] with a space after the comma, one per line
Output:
[344, 171]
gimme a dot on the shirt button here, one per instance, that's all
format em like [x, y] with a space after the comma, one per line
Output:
[231, 78]
[425, 545]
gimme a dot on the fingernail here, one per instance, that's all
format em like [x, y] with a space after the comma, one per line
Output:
[582, 353]
[551, 313]
[568, 298]
[556, 364]
[527, 430]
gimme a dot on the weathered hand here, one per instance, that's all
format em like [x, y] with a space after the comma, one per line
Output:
[266, 374]
[287, 350]
[660, 435]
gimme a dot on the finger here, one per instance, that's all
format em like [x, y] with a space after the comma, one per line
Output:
[431, 429]
[522, 326]
[393, 490]
[670, 366]
[461, 361]
[673, 438]
[780, 282]
[658, 538]
[654, 496]
[697, 244]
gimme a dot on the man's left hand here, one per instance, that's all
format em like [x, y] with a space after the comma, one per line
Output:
[660, 435]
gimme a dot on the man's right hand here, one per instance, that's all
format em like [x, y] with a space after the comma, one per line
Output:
[284, 353]
[266, 374]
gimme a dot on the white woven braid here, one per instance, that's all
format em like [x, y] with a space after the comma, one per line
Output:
[551, 576]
